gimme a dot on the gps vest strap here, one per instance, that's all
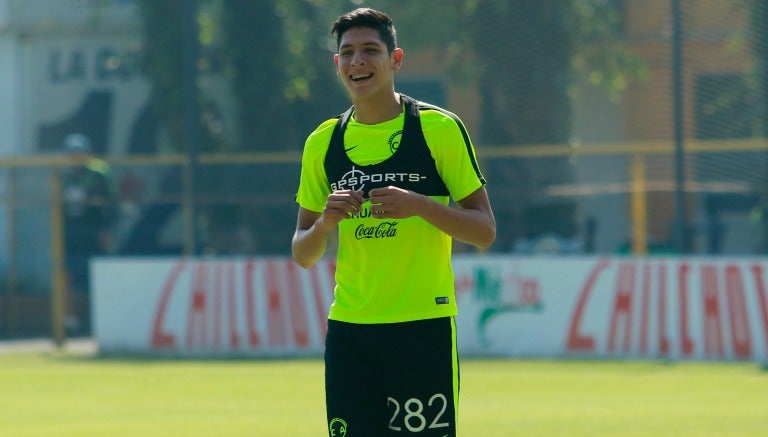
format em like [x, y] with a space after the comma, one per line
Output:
[411, 167]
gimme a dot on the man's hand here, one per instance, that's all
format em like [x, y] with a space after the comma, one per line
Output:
[472, 222]
[393, 202]
[313, 228]
[340, 205]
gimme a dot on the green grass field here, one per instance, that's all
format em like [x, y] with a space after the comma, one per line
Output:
[53, 394]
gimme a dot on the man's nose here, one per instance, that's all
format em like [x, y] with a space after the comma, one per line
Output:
[358, 58]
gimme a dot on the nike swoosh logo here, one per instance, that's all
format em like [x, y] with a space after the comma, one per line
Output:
[347, 150]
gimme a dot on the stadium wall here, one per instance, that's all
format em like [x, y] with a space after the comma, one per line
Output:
[671, 308]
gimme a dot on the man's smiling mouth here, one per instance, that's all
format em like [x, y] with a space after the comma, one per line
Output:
[356, 77]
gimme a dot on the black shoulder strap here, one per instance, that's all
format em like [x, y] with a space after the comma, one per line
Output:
[412, 159]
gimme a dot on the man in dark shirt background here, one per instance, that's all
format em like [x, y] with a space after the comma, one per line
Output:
[89, 215]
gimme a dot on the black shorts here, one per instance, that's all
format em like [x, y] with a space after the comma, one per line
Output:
[394, 379]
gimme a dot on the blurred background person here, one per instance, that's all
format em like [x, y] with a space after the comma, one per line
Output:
[89, 216]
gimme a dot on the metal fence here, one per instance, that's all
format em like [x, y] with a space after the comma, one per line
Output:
[618, 199]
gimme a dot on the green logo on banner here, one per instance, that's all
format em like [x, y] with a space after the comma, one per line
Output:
[498, 294]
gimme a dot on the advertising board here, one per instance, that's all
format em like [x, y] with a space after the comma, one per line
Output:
[554, 307]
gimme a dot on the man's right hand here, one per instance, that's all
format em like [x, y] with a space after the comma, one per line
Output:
[340, 205]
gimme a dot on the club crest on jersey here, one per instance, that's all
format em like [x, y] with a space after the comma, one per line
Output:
[357, 179]
[338, 427]
[394, 141]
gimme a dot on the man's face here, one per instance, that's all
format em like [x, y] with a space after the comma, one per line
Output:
[364, 65]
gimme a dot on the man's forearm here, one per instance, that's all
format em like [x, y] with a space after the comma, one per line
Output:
[308, 245]
[468, 225]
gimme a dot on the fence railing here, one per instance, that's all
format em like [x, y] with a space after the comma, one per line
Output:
[618, 196]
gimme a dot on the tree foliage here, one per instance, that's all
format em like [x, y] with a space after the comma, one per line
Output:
[521, 55]
[759, 27]
[164, 67]
[256, 54]
[163, 62]
[278, 62]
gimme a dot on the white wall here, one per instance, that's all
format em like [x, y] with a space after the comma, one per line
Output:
[9, 124]
[9, 97]
[59, 72]
[4, 15]
[53, 53]
[73, 16]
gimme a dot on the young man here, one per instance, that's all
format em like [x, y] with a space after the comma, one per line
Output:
[382, 174]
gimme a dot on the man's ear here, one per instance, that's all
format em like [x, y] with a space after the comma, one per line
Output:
[397, 58]
[336, 64]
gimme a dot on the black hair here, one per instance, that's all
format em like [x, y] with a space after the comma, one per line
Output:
[366, 17]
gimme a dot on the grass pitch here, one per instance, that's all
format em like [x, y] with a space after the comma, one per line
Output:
[54, 394]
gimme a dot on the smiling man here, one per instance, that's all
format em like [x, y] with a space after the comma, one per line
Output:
[383, 174]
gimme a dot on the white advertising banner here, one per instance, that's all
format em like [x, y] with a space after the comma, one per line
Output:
[185, 307]
[615, 307]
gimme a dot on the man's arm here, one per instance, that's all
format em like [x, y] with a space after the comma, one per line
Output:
[472, 223]
[313, 228]
[310, 238]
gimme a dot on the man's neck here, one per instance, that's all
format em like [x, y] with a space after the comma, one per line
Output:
[373, 111]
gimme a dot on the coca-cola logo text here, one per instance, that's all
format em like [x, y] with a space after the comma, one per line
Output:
[381, 230]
